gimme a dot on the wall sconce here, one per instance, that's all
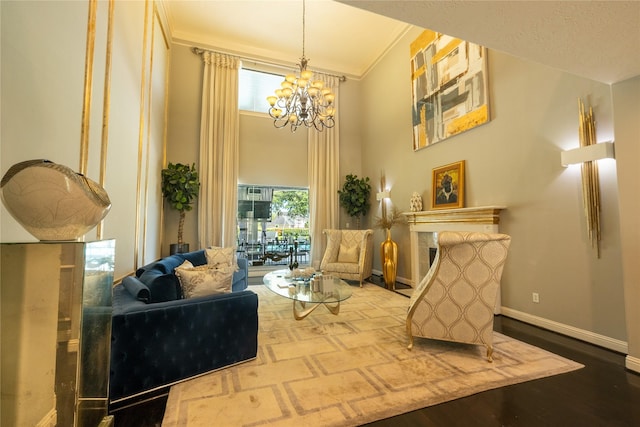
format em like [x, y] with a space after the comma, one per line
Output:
[383, 195]
[602, 150]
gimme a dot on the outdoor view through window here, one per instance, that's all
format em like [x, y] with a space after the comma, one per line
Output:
[273, 224]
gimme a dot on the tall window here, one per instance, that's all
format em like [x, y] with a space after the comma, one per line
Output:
[254, 87]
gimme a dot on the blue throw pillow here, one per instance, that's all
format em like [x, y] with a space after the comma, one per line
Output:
[196, 257]
[162, 287]
[136, 288]
[168, 264]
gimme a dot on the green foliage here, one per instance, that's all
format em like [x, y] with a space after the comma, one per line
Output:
[354, 196]
[295, 233]
[180, 186]
[295, 203]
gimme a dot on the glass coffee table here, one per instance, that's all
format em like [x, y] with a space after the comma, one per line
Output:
[307, 295]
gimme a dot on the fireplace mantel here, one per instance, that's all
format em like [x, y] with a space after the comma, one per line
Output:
[464, 219]
[485, 219]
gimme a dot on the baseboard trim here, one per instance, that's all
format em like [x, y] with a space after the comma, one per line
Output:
[571, 331]
[399, 279]
[632, 363]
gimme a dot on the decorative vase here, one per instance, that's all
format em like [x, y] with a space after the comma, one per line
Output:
[415, 203]
[51, 201]
[389, 256]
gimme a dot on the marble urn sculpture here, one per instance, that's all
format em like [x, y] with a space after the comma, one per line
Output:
[51, 201]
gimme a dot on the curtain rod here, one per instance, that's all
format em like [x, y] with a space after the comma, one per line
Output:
[200, 51]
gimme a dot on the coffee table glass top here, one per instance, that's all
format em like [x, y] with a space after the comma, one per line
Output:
[282, 283]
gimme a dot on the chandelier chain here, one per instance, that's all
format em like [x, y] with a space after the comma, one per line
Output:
[303, 24]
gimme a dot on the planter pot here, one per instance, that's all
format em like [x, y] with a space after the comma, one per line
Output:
[177, 248]
[389, 257]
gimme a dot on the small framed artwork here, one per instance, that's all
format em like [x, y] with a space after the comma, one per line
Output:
[447, 183]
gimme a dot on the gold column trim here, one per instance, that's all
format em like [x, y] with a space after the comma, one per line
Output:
[106, 108]
[88, 83]
[149, 129]
[136, 245]
[166, 120]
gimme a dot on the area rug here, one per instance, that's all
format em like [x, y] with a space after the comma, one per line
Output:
[348, 369]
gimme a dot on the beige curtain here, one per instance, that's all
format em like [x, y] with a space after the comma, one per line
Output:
[219, 147]
[324, 178]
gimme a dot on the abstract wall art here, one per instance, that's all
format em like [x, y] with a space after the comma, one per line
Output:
[449, 87]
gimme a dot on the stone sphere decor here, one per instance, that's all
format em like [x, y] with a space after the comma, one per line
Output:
[51, 201]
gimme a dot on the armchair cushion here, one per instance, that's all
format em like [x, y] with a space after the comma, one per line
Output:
[348, 253]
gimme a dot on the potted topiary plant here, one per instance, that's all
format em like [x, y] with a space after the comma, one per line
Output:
[354, 196]
[180, 186]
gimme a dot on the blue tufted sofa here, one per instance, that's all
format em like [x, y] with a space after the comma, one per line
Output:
[158, 338]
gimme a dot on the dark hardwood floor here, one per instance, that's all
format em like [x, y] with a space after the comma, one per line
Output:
[603, 393]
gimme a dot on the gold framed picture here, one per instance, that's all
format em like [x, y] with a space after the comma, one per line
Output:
[447, 186]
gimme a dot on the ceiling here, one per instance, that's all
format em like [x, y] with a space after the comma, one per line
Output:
[339, 38]
[599, 40]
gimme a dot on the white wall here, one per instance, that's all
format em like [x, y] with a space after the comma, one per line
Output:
[43, 66]
[514, 161]
[627, 129]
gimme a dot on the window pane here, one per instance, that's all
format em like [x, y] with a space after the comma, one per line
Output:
[273, 223]
[254, 87]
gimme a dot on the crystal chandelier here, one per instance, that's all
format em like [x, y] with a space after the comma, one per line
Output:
[301, 100]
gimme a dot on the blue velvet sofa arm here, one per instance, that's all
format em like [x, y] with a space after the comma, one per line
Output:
[156, 345]
[241, 277]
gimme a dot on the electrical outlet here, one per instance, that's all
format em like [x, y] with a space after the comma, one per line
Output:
[536, 297]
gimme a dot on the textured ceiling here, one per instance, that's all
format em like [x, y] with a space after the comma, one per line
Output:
[599, 40]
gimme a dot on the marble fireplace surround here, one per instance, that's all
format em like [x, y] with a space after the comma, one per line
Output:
[424, 226]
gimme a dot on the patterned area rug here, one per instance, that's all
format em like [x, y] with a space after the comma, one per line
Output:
[349, 369]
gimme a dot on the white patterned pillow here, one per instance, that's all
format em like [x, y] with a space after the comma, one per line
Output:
[204, 279]
[348, 254]
[221, 257]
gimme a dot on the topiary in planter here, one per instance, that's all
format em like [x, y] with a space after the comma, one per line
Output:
[180, 186]
[354, 196]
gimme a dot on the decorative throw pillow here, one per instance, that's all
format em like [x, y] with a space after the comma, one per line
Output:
[204, 279]
[221, 257]
[136, 288]
[348, 254]
[162, 287]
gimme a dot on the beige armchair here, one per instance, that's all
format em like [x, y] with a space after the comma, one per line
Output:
[455, 300]
[348, 254]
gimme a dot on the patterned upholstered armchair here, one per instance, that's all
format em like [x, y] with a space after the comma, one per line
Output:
[348, 254]
[455, 300]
